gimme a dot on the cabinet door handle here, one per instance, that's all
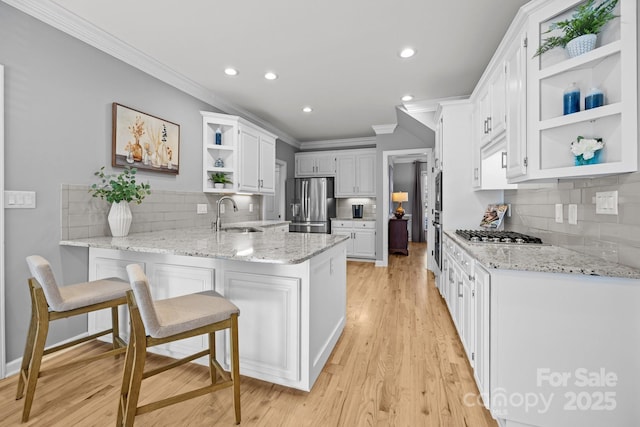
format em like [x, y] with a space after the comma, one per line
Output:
[484, 129]
[488, 124]
[460, 289]
[504, 160]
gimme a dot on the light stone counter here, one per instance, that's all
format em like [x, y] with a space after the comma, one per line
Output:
[542, 258]
[265, 247]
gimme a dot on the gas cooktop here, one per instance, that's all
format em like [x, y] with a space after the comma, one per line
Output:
[493, 236]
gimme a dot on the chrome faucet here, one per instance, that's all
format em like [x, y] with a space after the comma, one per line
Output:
[218, 223]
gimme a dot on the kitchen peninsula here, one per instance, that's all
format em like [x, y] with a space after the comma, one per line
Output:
[290, 288]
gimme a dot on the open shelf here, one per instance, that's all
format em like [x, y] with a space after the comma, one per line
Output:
[588, 60]
[581, 116]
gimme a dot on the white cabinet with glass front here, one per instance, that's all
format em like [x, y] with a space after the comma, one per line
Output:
[611, 68]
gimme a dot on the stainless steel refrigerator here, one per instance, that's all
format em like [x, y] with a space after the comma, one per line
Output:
[313, 205]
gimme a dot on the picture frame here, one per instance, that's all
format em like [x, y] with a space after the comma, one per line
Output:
[144, 141]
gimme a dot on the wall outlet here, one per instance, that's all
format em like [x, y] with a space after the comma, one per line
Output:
[250, 207]
[573, 214]
[559, 218]
[201, 208]
[221, 208]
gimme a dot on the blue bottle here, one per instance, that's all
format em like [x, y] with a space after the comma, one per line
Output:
[218, 137]
[594, 99]
[571, 99]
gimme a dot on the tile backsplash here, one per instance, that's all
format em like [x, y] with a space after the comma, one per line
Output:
[83, 215]
[612, 237]
[343, 207]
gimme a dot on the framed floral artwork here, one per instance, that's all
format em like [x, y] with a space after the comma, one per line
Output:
[144, 141]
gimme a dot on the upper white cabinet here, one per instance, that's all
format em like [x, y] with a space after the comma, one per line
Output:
[315, 164]
[246, 154]
[516, 106]
[492, 106]
[355, 173]
[610, 67]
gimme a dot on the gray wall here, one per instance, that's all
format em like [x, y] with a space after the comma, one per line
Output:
[400, 139]
[404, 180]
[58, 95]
[611, 237]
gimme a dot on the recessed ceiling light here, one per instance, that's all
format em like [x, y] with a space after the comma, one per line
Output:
[307, 109]
[231, 71]
[407, 98]
[407, 52]
[270, 76]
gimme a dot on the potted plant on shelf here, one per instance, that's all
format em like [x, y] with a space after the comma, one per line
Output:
[581, 30]
[119, 190]
[219, 179]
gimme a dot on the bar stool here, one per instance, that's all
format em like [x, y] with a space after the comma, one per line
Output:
[50, 302]
[163, 321]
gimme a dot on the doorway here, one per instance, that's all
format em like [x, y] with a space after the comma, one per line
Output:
[386, 203]
[3, 361]
[273, 207]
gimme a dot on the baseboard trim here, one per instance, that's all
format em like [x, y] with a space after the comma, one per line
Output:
[13, 367]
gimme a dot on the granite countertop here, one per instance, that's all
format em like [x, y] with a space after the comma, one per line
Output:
[267, 247]
[542, 258]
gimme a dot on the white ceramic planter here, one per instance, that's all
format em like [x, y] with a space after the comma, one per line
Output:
[581, 45]
[119, 219]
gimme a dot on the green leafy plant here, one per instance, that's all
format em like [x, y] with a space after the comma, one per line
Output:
[587, 19]
[121, 187]
[220, 178]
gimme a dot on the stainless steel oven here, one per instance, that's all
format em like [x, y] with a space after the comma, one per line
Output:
[437, 239]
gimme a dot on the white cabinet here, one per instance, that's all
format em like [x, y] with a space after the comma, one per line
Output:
[246, 154]
[273, 303]
[516, 111]
[482, 281]
[355, 173]
[492, 106]
[611, 67]
[315, 164]
[257, 153]
[362, 242]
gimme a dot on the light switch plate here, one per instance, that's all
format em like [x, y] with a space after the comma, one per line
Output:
[201, 208]
[573, 214]
[221, 208]
[20, 199]
[607, 202]
[559, 218]
[250, 207]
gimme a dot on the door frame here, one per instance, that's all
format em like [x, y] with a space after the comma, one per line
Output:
[385, 196]
[3, 351]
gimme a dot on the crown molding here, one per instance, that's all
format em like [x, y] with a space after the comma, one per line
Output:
[338, 143]
[384, 129]
[58, 17]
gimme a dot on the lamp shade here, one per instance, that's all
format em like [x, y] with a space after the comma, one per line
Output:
[400, 196]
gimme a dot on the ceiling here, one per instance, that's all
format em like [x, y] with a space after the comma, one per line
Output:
[339, 57]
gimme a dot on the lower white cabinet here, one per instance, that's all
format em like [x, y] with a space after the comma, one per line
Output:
[362, 242]
[291, 315]
[272, 302]
[482, 280]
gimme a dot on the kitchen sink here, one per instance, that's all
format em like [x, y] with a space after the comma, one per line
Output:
[241, 230]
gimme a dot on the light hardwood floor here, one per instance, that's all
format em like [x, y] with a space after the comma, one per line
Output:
[399, 362]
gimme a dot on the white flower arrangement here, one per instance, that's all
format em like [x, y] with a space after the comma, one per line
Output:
[586, 147]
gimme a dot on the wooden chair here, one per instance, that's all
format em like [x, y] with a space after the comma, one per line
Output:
[50, 302]
[163, 321]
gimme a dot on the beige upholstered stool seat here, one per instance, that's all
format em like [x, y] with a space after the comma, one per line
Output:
[164, 321]
[184, 313]
[50, 302]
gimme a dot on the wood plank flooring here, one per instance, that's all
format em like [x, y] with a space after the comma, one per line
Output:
[399, 362]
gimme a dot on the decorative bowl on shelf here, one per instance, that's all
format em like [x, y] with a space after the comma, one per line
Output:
[581, 45]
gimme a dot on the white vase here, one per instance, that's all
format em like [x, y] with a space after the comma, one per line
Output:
[119, 219]
[218, 185]
[581, 45]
